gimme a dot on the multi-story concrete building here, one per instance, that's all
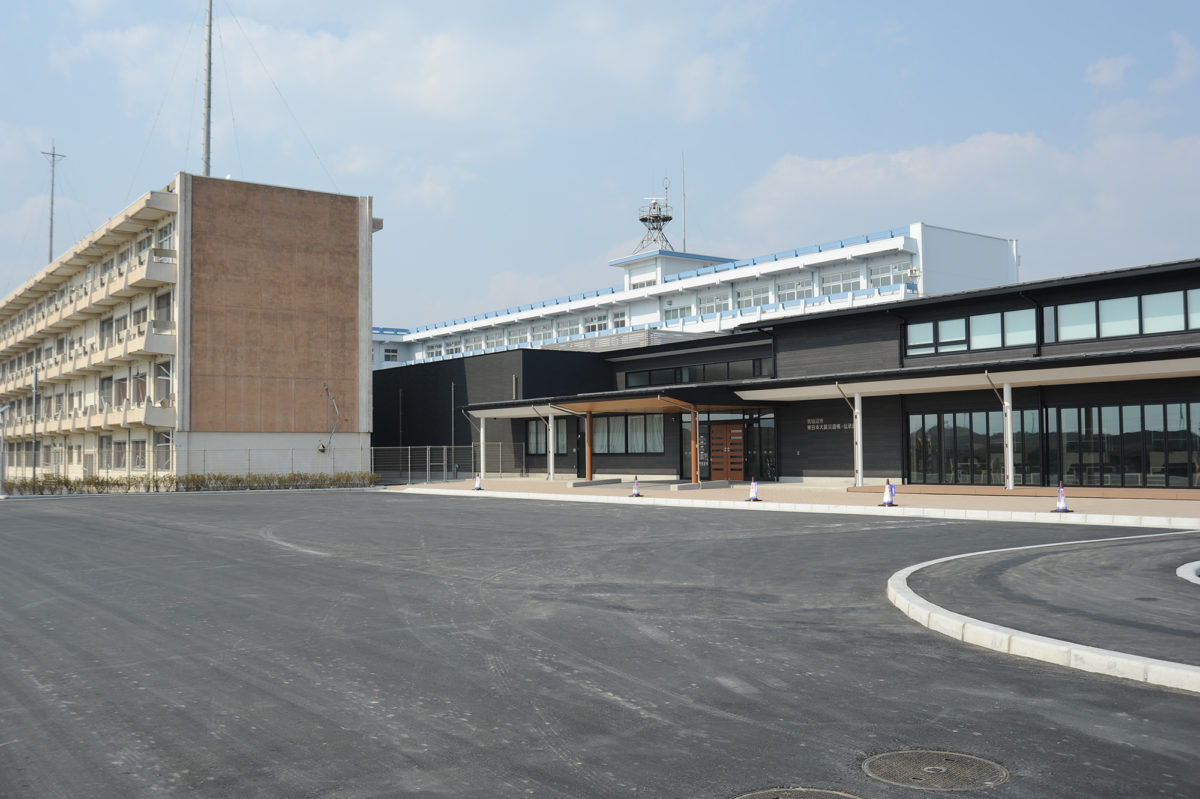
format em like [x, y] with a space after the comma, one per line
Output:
[668, 296]
[213, 325]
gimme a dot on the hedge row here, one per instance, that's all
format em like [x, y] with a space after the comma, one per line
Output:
[95, 484]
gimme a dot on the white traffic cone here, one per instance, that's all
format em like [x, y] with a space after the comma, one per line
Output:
[636, 492]
[1061, 507]
[889, 495]
[754, 491]
[478, 482]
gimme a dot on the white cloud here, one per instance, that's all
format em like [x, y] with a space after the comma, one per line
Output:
[436, 188]
[1107, 73]
[706, 83]
[1187, 66]
[1121, 201]
[564, 69]
[1126, 116]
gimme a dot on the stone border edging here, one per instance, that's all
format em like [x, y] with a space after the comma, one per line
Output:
[954, 514]
[1167, 673]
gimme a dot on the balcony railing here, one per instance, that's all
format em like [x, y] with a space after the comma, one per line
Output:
[87, 299]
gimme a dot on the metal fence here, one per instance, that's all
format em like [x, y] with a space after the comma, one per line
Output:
[394, 465]
[397, 465]
[274, 461]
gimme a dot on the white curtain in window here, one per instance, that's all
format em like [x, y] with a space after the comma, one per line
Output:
[637, 433]
[654, 433]
[600, 434]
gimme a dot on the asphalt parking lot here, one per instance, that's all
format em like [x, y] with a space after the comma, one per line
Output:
[376, 645]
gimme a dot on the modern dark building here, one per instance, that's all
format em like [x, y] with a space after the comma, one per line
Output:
[1093, 380]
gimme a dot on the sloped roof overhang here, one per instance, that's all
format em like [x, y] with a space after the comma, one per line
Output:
[1097, 370]
[671, 400]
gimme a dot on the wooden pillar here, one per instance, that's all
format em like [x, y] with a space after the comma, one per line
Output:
[695, 446]
[587, 443]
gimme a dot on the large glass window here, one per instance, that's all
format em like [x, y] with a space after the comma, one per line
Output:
[1132, 460]
[1156, 445]
[1111, 448]
[593, 323]
[837, 281]
[952, 335]
[616, 434]
[920, 338]
[1077, 321]
[637, 433]
[1119, 317]
[713, 303]
[162, 451]
[535, 437]
[1162, 313]
[753, 296]
[986, 331]
[887, 274]
[793, 289]
[655, 433]
[1193, 303]
[600, 435]
[560, 436]
[1194, 440]
[1177, 445]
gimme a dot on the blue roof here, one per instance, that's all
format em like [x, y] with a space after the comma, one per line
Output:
[725, 265]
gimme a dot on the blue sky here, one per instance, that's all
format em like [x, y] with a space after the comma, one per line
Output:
[508, 145]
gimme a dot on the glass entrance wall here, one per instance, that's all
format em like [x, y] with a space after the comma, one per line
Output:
[1153, 445]
[968, 448]
[761, 456]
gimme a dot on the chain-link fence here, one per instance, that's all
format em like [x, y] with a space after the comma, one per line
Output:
[398, 465]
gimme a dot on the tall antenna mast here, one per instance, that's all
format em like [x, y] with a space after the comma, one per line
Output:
[683, 180]
[54, 157]
[207, 94]
[654, 216]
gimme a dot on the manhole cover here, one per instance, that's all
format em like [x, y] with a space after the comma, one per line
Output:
[797, 793]
[935, 771]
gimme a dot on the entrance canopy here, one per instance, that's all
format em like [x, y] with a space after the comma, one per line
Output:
[900, 383]
[669, 400]
[672, 400]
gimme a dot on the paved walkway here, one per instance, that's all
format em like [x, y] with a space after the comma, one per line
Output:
[1171, 514]
[1160, 513]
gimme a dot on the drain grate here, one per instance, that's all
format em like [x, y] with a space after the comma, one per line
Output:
[797, 793]
[935, 771]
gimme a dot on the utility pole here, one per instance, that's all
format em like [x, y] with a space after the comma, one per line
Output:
[3, 446]
[35, 416]
[54, 157]
[207, 95]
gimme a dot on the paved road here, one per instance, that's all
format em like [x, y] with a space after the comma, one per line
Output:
[369, 645]
[1121, 595]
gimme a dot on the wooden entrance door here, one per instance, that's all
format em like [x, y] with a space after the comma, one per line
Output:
[727, 451]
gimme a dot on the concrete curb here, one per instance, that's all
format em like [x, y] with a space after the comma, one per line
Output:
[957, 514]
[1190, 572]
[1167, 673]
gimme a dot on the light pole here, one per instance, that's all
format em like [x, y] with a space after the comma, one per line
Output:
[3, 445]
